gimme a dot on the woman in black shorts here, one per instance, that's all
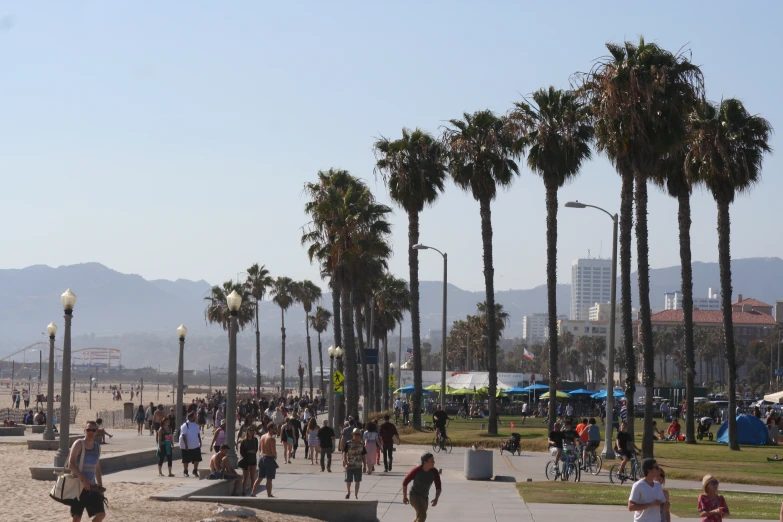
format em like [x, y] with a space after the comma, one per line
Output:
[248, 450]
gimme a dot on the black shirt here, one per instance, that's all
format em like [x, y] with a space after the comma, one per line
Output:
[623, 439]
[570, 436]
[557, 438]
[325, 435]
[439, 418]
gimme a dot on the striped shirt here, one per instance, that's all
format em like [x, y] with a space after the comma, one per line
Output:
[91, 457]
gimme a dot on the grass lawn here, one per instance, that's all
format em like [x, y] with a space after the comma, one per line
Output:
[682, 461]
[741, 505]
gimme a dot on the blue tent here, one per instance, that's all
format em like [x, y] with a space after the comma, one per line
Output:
[534, 387]
[581, 392]
[409, 389]
[750, 430]
[515, 390]
[602, 394]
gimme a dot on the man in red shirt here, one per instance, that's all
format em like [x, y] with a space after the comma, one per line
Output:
[422, 477]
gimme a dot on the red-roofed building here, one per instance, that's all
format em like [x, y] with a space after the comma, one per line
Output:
[751, 305]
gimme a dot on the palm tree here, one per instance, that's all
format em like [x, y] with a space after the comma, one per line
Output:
[392, 300]
[283, 296]
[256, 286]
[307, 293]
[413, 167]
[727, 149]
[320, 322]
[555, 131]
[639, 96]
[481, 159]
[217, 308]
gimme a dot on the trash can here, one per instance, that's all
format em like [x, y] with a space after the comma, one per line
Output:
[128, 411]
[478, 464]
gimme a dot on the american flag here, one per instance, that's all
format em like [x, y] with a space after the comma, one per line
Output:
[409, 353]
[528, 355]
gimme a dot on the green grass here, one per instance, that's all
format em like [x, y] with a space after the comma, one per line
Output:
[741, 505]
[682, 461]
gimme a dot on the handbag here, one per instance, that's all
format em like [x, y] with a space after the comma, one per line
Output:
[68, 487]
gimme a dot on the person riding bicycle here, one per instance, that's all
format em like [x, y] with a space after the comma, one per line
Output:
[570, 436]
[556, 443]
[625, 446]
[593, 438]
[439, 418]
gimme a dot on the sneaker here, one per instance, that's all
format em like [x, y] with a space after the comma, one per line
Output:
[186, 473]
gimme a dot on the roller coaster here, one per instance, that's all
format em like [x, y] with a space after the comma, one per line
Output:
[86, 357]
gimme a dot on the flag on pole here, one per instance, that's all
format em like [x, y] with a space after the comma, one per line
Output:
[409, 353]
[528, 355]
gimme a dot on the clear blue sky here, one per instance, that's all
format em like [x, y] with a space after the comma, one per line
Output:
[172, 139]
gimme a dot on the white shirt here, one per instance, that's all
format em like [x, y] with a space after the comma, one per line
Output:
[569, 410]
[524, 407]
[643, 493]
[190, 434]
[398, 404]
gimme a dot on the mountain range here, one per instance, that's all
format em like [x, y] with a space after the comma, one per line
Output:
[121, 309]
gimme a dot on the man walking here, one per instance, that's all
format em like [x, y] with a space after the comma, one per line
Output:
[388, 432]
[647, 496]
[267, 464]
[422, 477]
[354, 462]
[190, 443]
[326, 438]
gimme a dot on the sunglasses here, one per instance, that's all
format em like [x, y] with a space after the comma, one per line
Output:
[714, 483]
[91, 429]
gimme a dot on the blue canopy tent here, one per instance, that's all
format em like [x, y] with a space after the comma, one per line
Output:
[535, 387]
[409, 389]
[582, 391]
[602, 394]
[515, 390]
[750, 430]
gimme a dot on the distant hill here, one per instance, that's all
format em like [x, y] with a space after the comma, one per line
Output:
[128, 310]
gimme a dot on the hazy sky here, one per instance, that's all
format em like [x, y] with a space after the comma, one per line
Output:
[172, 139]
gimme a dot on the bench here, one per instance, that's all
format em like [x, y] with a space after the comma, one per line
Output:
[12, 431]
[328, 510]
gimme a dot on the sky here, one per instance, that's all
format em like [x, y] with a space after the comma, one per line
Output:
[173, 139]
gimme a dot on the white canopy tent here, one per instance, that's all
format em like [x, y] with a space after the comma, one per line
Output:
[777, 398]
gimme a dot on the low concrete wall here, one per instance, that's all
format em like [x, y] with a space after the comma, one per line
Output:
[35, 428]
[110, 463]
[328, 510]
[14, 431]
[210, 488]
[50, 445]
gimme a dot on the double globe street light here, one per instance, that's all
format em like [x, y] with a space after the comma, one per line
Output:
[68, 301]
[234, 302]
[182, 331]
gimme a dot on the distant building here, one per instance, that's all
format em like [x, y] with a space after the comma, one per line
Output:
[590, 328]
[534, 328]
[673, 301]
[591, 282]
[603, 312]
[751, 305]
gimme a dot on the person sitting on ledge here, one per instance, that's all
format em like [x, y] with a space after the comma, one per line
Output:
[102, 433]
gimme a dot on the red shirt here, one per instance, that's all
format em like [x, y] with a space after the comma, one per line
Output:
[708, 504]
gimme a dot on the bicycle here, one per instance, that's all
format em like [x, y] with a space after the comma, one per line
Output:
[441, 443]
[592, 462]
[615, 475]
[568, 470]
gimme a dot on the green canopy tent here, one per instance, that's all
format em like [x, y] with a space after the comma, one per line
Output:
[558, 394]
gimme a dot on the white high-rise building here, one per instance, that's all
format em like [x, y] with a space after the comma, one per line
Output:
[591, 282]
[534, 328]
[673, 301]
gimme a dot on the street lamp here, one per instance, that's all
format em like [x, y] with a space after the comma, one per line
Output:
[608, 451]
[49, 432]
[182, 331]
[419, 246]
[330, 351]
[234, 302]
[68, 301]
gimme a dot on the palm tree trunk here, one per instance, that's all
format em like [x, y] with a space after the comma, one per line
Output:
[489, 283]
[385, 382]
[724, 258]
[339, 400]
[643, 275]
[349, 356]
[686, 270]
[309, 353]
[282, 353]
[626, 222]
[258, 356]
[360, 346]
[377, 370]
[551, 291]
[413, 267]
[321, 364]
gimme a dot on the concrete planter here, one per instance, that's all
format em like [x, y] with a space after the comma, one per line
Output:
[478, 464]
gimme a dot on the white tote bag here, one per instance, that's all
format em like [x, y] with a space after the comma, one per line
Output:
[68, 487]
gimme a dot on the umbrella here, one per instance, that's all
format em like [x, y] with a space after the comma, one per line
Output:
[516, 389]
[409, 389]
[535, 387]
[463, 391]
[559, 394]
[602, 394]
[581, 391]
[484, 389]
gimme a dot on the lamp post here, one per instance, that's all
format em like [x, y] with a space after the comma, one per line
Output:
[391, 371]
[68, 300]
[49, 432]
[90, 384]
[338, 411]
[443, 324]
[182, 331]
[608, 451]
[234, 301]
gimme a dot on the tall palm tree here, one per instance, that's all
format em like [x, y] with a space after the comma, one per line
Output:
[256, 286]
[414, 169]
[307, 293]
[727, 149]
[555, 131]
[283, 296]
[217, 311]
[320, 322]
[392, 300]
[481, 159]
